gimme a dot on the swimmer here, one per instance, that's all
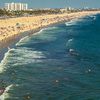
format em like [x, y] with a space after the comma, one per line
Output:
[72, 52]
[70, 40]
[88, 71]
[57, 81]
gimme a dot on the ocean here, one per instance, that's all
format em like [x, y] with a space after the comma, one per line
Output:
[61, 62]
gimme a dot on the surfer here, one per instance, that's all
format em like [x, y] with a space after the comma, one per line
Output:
[70, 40]
[89, 71]
[72, 52]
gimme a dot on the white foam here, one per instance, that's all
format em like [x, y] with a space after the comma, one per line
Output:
[5, 94]
[50, 28]
[4, 61]
[72, 22]
[69, 41]
[27, 38]
[39, 31]
[93, 16]
[44, 29]
[25, 56]
[22, 41]
[20, 56]
[71, 50]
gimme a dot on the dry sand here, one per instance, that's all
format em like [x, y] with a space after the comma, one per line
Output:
[12, 27]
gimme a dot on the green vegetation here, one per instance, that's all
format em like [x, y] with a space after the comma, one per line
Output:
[6, 13]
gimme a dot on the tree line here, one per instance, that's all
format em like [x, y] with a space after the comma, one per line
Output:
[4, 12]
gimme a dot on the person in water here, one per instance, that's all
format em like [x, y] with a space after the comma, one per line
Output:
[73, 52]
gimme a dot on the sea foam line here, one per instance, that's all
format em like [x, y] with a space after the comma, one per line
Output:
[74, 21]
[69, 41]
[44, 29]
[4, 60]
[5, 94]
[17, 44]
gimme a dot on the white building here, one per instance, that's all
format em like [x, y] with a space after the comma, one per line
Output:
[16, 6]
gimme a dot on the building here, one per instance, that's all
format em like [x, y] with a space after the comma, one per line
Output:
[16, 6]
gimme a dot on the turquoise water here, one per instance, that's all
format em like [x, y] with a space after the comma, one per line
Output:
[41, 66]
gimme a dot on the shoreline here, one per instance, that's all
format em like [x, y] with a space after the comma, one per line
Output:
[10, 28]
[11, 41]
[16, 31]
[16, 39]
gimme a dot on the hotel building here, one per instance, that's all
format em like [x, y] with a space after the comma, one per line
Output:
[16, 6]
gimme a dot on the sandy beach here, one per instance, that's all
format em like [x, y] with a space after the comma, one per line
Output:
[12, 27]
[49, 50]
